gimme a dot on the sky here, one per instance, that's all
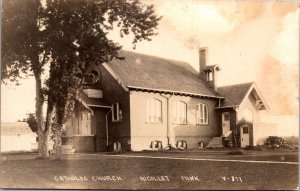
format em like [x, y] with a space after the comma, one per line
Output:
[250, 40]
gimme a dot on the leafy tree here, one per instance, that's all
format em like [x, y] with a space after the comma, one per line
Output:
[65, 38]
[31, 120]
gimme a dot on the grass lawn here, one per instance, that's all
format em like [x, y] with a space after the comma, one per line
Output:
[101, 171]
[273, 155]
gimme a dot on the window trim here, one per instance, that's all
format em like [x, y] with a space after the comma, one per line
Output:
[116, 107]
[198, 114]
[149, 103]
[175, 112]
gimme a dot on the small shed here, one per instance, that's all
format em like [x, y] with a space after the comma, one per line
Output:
[17, 137]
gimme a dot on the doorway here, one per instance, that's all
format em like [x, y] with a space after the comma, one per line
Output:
[225, 122]
[244, 135]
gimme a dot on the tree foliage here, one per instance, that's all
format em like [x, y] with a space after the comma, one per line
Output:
[31, 121]
[70, 36]
[21, 39]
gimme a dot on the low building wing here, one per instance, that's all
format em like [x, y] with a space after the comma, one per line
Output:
[15, 128]
[17, 136]
[236, 94]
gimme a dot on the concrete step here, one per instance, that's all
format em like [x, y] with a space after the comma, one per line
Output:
[67, 149]
[216, 142]
[67, 146]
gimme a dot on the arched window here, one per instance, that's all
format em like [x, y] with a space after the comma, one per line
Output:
[202, 114]
[154, 114]
[179, 112]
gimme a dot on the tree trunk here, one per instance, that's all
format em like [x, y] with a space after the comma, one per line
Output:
[60, 110]
[43, 144]
[58, 142]
[43, 134]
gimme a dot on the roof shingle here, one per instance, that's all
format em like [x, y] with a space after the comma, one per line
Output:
[146, 71]
[234, 94]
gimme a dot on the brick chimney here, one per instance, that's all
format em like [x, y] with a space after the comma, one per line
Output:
[202, 60]
[207, 72]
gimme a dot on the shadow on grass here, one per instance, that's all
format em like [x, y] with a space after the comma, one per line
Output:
[236, 152]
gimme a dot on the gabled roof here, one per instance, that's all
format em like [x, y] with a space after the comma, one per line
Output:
[144, 72]
[236, 94]
[15, 128]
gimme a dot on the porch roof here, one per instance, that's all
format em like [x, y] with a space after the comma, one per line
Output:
[236, 94]
[93, 102]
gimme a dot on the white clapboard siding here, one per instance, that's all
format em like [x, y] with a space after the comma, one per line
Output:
[16, 142]
[17, 137]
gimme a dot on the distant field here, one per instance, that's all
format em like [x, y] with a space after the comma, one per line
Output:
[122, 172]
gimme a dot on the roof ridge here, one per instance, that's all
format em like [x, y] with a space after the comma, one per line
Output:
[158, 57]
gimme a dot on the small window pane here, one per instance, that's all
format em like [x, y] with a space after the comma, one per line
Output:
[154, 111]
[202, 114]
